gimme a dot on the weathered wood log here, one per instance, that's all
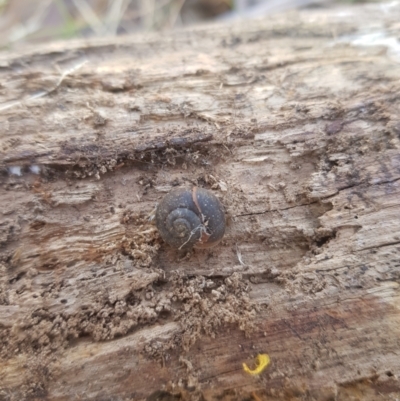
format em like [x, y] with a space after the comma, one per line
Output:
[294, 123]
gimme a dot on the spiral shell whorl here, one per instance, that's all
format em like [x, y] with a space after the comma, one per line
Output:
[184, 227]
[190, 218]
[176, 218]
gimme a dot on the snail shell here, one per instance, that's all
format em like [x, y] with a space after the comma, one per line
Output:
[190, 218]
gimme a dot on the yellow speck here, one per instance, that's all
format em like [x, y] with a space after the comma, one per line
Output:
[262, 362]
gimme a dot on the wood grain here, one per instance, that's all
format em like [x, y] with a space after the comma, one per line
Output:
[294, 123]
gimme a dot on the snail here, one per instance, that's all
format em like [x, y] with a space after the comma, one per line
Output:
[190, 218]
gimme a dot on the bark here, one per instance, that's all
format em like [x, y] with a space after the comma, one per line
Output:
[294, 123]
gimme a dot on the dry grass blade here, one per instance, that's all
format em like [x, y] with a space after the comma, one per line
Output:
[243, 10]
[33, 24]
[176, 12]
[116, 10]
[89, 16]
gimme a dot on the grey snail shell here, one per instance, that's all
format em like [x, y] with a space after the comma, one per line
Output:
[190, 218]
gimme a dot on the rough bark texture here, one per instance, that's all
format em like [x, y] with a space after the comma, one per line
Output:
[294, 123]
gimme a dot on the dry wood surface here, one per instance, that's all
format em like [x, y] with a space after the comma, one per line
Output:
[294, 123]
